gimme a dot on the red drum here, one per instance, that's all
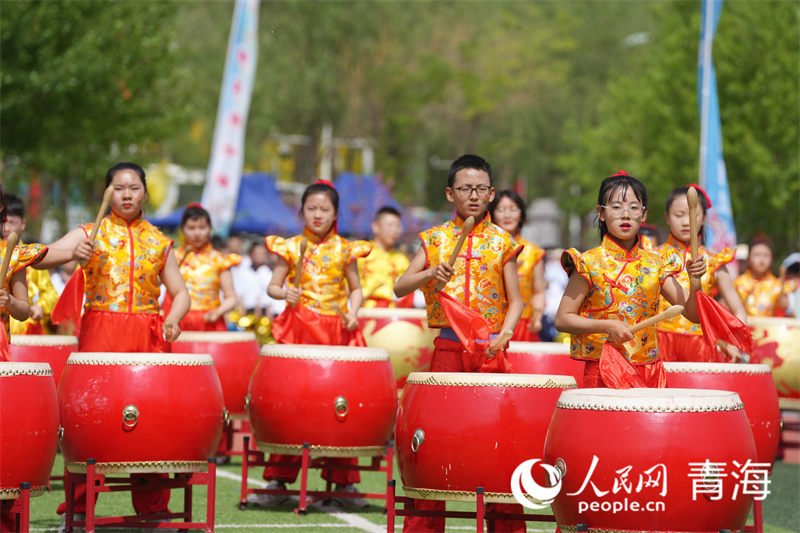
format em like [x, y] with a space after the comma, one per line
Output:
[140, 412]
[235, 355]
[28, 427]
[459, 431]
[777, 344]
[753, 384]
[51, 349]
[340, 399]
[651, 460]
[402, 332]
[544, 358]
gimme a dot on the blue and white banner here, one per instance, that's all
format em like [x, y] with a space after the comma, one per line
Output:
[719, 228]
[221, 190]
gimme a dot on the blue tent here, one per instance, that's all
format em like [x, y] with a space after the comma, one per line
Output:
[259, 209]
[360, 197]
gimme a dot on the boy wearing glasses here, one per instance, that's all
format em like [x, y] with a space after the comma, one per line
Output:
[484, 278]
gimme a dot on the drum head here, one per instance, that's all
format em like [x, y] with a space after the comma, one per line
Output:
[393, 312]
[147, 359]
[44, 340]
[25, 369]
[650, 400]
[470, 379]
[220, 337]
[557, 348]
[716, 368]
[326, 353]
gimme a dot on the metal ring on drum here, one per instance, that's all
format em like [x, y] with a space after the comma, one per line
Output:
[754, 385]
[51, 349]
[403, 333]
[777, 344]
[544, 358]
[140, 412]
[459, 431]
[29, 427]
[235, 354]
[342, 400]
[664, 451]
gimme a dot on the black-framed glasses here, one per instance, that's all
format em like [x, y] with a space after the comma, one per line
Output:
[465, 192]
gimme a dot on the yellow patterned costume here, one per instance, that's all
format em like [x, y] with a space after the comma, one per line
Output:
[201, 269]
[41, 292]
[527, 260]
[478, 280]
[623, 286]
[760, 295]
[23, 256]
[379, 270]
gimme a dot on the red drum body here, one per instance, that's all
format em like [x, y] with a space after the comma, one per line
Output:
[643, 460]
[51, 349]
[28, 427]
[342, 400]
[459, 431]
[777, 344]
[544, 358]
[235, 355]
[753, 384]
[140, 412]
[404, 334]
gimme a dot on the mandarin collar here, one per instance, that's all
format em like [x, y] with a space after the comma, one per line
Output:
[207, 247]
[676, 243]
[610, 244]
[116, 219]
[480, 225]
[316, 239]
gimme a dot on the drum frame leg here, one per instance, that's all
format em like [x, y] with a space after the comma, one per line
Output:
[479, 515]
[21, 507]
[229, 434]
[254, 457]
[98, 483]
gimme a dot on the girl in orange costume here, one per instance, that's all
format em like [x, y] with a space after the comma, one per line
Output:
[678, 338]
[328, 268]
[206, 272]
[618, 285]
[124, 268]
[758, 289]
[508, 212]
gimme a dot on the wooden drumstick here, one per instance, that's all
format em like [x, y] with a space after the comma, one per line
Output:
[340, 312]
[673, 311]
[298, 271]
[11, 243]
[100, 214]
[468, 224]
[695, 283]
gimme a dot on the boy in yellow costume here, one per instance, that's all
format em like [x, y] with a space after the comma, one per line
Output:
[381, 268]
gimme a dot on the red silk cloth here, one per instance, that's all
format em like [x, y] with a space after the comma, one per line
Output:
[300, 325]
[720, 324]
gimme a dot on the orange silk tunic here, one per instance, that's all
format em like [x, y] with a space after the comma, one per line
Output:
[23, 256]
[527, 260]
[379, 270]
[478, 279]
[122, 275]
[759, 295]
[201, 270]
[622, 286]
[681, 324]
[323, 277]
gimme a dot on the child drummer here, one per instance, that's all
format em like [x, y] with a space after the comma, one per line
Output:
[484, 278]
[385, 263]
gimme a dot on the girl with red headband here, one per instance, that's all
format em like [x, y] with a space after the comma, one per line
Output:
[617, 285]
[328, 269]
[206, 272]
[678, 338]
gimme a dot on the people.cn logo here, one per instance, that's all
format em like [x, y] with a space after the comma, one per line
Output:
[535, 496]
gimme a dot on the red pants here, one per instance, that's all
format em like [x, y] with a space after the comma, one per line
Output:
[686, 348]
[106, 331]
[652, 374]
[450, 356]
[8, 522]
[289, 474]
[193, 321]
[523, 334]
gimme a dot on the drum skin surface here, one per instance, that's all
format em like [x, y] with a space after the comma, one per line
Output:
[28, 427]
[140, 412]
[235, 355]
[633, 460]
[342, 400]
[51, 349]
[753, 384]
[544, 358]
[403, 333]
[477, 429]
[777, 344]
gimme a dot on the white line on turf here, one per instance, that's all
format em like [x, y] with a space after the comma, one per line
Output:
[234, 477]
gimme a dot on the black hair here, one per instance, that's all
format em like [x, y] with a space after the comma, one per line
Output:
[766, 241]
[195, 212]
[514, 197]
[3, 217]
[388, 210]
[15, 207]
[126, 166]
[468, 161]
[324, 188]
[701, 201]
[614, 183]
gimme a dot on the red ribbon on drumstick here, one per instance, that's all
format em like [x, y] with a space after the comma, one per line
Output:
[68, 306]
[719, 325]
[11, 243]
